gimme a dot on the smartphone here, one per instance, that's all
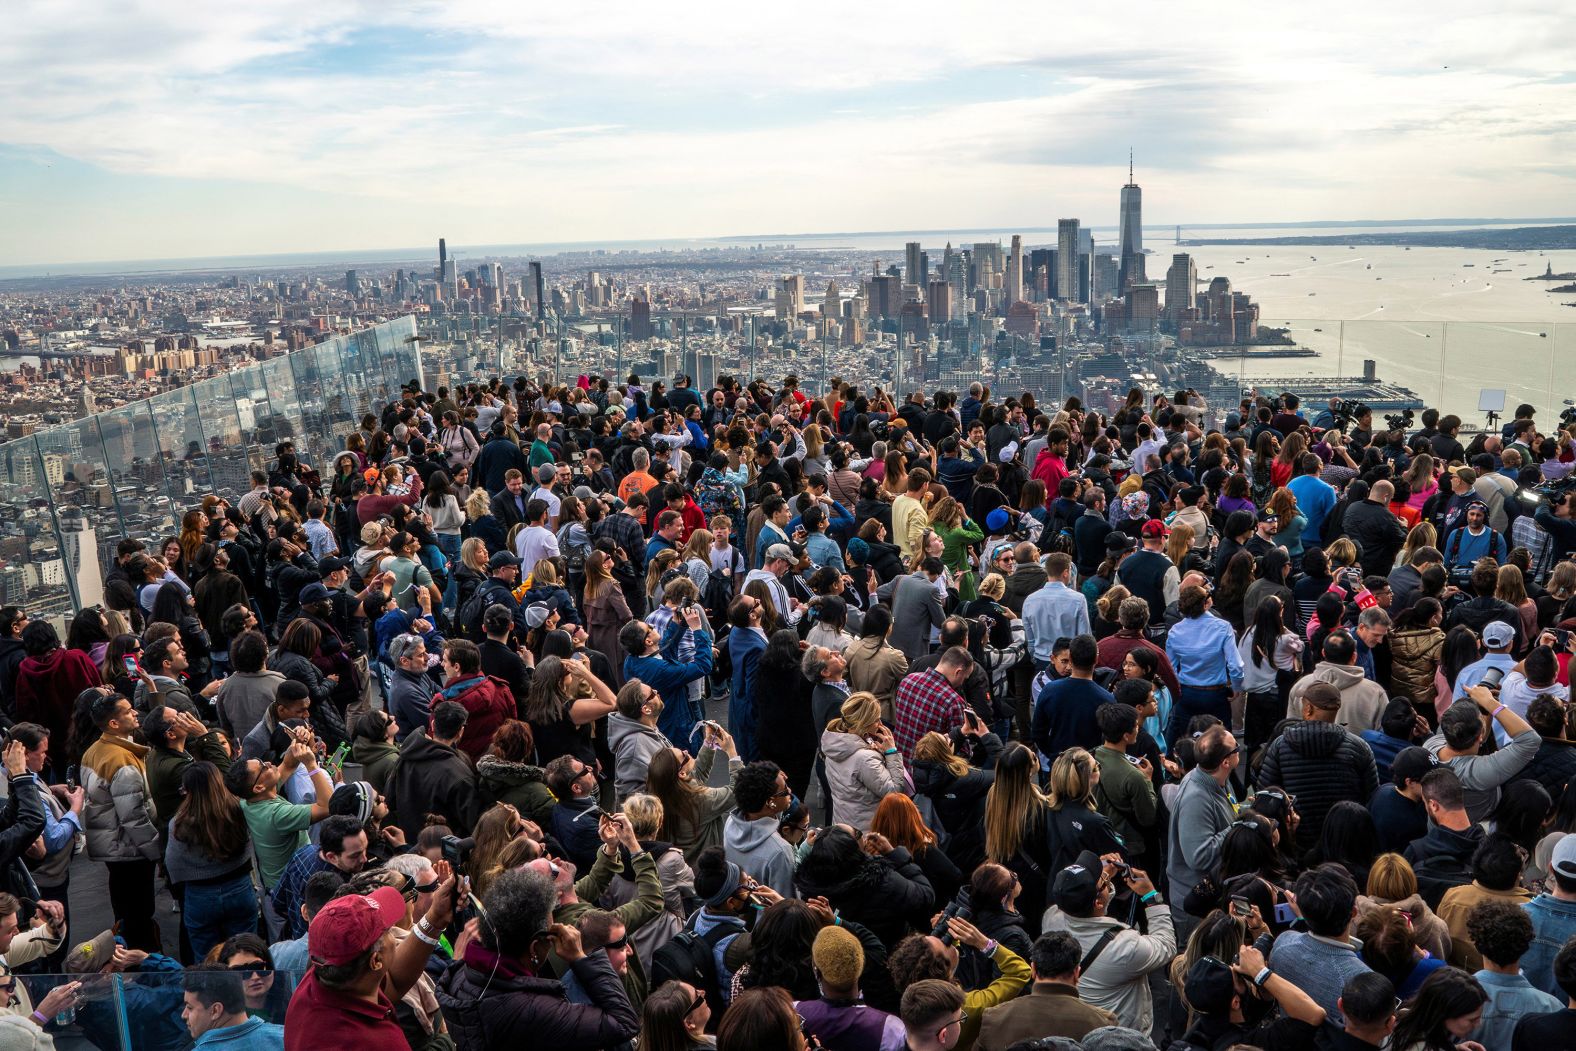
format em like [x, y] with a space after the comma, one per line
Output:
[1285, 915]
[1562, 638]
[1240, 906]
[1135, 760]
[129, 662]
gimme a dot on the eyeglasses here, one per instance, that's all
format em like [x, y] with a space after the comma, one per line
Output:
[700, 998]
[427, 888]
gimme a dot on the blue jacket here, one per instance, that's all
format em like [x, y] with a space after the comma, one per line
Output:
[254, 1034]
[153, 1010]
[670, 677]
[1315, 499]
[957, 474]
[745, 646]
[1553, 924]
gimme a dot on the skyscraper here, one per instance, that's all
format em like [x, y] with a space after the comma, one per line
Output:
[832, 306]
[1015, 271]
[534, 274]
[938, 300]
[1181, 285]
[911, 272]
[1132, 242]
[443, 259]
[352, 282]
[1067, 258]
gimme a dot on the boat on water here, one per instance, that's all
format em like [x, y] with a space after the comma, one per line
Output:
[1370, 266]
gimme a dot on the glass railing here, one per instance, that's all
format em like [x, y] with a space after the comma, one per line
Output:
[133, 1010]
[70, 493]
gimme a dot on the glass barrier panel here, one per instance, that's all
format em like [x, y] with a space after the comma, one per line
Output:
[317, 440]
[1393, 365]
[218, 413]
[33, 559]
[136, 469]
[181, 447]
[284, 410]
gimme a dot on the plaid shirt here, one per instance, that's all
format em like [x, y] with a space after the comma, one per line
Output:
[925, 701]
[1525, 532]
[625, 531]
[304, 864]
[660, 618]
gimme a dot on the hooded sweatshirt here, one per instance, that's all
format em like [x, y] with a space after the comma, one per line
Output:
[860, 777]
[756, 848]
[633, 744]
[1362, 699]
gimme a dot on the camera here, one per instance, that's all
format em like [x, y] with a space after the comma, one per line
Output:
[1345, 410]
[1399, 421]
[457, 851]
[954, 908]
[1492, 677]
[1568, 416]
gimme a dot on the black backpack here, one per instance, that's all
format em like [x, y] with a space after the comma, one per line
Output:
[468, 618]
[690, 957]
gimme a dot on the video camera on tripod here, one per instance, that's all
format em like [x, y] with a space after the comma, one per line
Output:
[1553, 493]
[1399, 421]
[1345, 410]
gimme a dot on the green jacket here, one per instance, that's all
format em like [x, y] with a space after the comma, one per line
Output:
[1126, 797]
[165, 768]
[634, 914]
[377, 759]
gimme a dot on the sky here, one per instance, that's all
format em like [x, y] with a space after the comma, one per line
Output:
[150, 129]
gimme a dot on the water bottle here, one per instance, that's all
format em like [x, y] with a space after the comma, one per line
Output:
[68, 1016]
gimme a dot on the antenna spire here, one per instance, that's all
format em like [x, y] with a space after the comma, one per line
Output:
[1130, 166]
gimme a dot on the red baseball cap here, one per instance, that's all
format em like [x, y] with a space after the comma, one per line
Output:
[1153, 528]
[349, 926]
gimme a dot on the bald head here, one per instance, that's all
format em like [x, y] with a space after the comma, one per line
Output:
[1382, 492]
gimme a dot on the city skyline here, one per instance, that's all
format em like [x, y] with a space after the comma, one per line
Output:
[162, 131]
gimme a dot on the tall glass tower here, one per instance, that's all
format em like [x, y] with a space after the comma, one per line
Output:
[1132, 243]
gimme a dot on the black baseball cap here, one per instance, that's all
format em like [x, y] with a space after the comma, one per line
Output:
[1210, 987]
[1410, 764]
[1076, 887]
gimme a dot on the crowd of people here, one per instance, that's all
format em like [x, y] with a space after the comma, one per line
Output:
[616, 716]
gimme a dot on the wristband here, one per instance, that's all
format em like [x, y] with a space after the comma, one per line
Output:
[890, 751]
[1262, 977]
[990, 948]
[40, 1019]
[422, 936]
[1495, 713]
[1147, 898]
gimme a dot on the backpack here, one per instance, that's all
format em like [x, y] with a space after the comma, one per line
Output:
[717, 498]
[468, 618]
[690, 957]
[574, 551]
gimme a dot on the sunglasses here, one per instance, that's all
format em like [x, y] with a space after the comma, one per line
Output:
[621, 944]
[251, 970]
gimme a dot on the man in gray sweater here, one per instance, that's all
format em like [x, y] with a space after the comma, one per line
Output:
[1322, 959]
[1200, 817]
[1460, 738]
[633, 736]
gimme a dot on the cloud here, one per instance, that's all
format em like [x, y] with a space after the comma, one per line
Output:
[536, 122]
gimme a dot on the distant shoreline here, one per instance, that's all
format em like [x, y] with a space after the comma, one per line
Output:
[1520, 239]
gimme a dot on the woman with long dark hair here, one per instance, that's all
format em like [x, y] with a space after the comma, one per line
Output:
[1348, 839]
[267, 996]
[674, 1018]
[564, 700]
[1233, 589]
[1016, 814]
[1447, 1009]
[1416, 644]
[174, 604]
[780, 951]
[210, 856]
[693, 815]
[1270, 654]
[1459, 650]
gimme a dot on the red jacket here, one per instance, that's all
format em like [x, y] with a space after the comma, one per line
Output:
[47, 689]
[694, 518]
[489, 702]
[1050, 469]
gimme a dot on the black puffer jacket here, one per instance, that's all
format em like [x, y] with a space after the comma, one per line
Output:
[959, 801]
[890, 894]
[1321, 764]
[1377, 533]
[975, 970]
[526, 1011]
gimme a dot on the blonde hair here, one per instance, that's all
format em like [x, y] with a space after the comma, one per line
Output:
[1511, 587]
[945, 512]
[1111, 601]
[697, 546]
[860, 714]
[993, 586]
[1072, 779]
[1343, 553]
[473, 553]
[544, 572]
[477, 504]
[1391, 878]
[1014, 805]
[645, 814]
[1419, 536]
[934, 748]
[1180, 543]
[718, 522]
